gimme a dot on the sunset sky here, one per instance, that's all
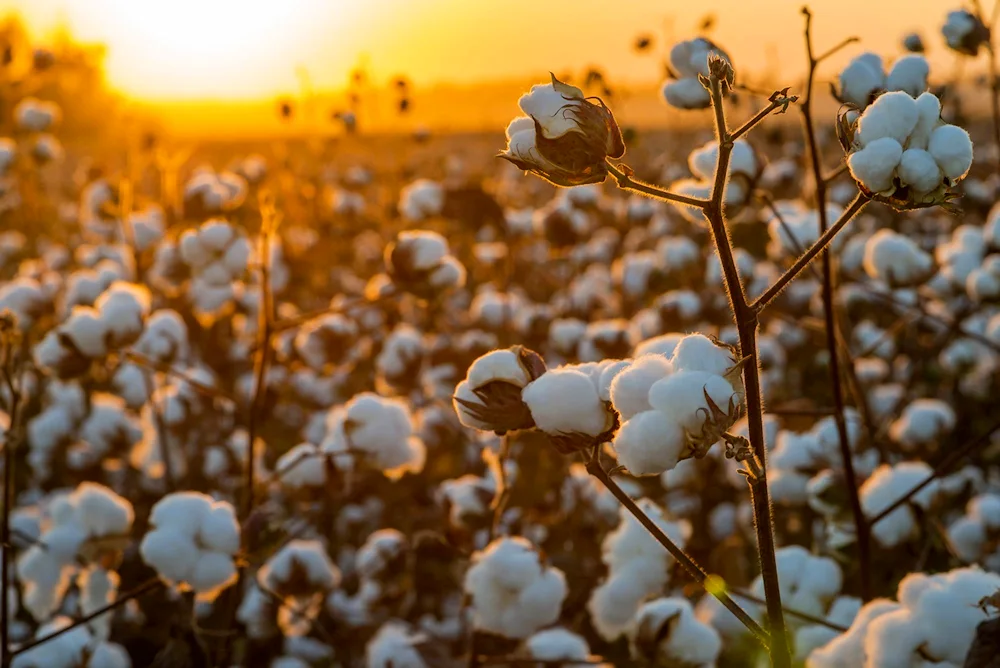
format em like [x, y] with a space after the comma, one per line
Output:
[244, 49]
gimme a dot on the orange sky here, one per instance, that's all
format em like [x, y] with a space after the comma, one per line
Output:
[243, 49]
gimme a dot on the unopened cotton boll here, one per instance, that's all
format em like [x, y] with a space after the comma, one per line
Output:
[874, 165]
[565, 401]
[951, 148]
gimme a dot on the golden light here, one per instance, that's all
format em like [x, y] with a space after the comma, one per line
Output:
[198, 49]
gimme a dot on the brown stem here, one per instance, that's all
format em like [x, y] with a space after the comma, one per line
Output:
[11, 441]
[693, 569]
[141, 590]
[626, 182]
[821, 244]
[162, 433]
[995, 93]
[830, 320]
[745, 318]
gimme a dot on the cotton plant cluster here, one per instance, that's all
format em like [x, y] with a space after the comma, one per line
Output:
[419, 261]
[865, 78]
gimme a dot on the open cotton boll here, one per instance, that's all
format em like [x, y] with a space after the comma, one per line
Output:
[909, 75]
[681, 397]
[68, 650]
[951, 148]
[847, 649]
[558, 644]
[686, 93]
[87, 330]
[547, 106]
[875, 164]
[895, 259]
[500, 365]
[513, 593]
[565, 401]
[893, 115]
[697, 352]
[666, 632]
[808, 583]
[928, 117]
[923, 422]
[843, 612]
[630, 387]
[861, 78]
[649, 443]
[884, 487]
[302, 466]
[381, 428]
[123, 308]
[919, 169]
[395, 646]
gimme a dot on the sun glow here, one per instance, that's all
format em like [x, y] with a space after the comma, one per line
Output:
[198, 49]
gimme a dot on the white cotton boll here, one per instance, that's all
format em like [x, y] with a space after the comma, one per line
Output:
[566, 401]
[88, 331]
[109, 655]
[101, 512]
[983, 285]
[98, 588]
[874, 165]
[892, 115]
[918, 169]
[697, 352]
[928, 116]
[613, 604]
[123, 308]
[847, 649]
[895, 259]
[302, 466]
[421, 199]
[215, 235]
[557, 644]
[65, 651]
[212, 572]
[967, 538]
[687, 641]
[808, 583]
[173, 554]
[236, 257]
[394, 646]
[219, 531]
[649, 443]
[182, 511]
[924, 422]
[547, 107]
[861, 78]
[630, 387]
[958, 24]
[681, 397]
[884, 487]
[951, 147]
[909, 75]
[497, 365]
[686, 93]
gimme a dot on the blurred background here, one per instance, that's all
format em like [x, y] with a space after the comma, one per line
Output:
[218, 67]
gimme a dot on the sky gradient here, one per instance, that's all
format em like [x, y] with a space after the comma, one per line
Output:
[232, 49]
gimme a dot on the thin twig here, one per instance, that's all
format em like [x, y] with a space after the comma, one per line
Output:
[207, 390]
[162, 433]
[830, 317]
[943, 467]
[687, 563]
[141, 590]
[742, 593]
[11, 442]
[626, 182]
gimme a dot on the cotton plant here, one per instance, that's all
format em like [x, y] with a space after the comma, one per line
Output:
[216, 256]
[896, 260]
[638, 568]
[744, 171]
[421, 199]
[192, 543]
[513, 592]
[932, 622]
[965, 33]
[396, 645]
[924, 423]
[889, 483]
[299, 576]
[210, 193]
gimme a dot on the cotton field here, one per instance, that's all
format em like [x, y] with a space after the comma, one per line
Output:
[568, 393]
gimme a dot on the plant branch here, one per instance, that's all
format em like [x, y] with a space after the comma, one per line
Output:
[821, 244]
[746, 321]
[595, 469]
[779, 99]
[942, 468]
[626, 182]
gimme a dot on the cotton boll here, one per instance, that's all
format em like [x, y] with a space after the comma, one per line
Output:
[88, 331]
[909, 75]
[861, 78]
[681, 397]
[394, 646]
[686, 93]
[918, 169]
[173, 554]
[565, 401]
[697, 352]
[893, 115]
[896, 259]
[951, 148]
[848, 649]
[630, 387]
[884, 487]
[212, 573]
[686, 640]
[924, 422]
[874, 165]
[219, 530]
[649, 443]
[547, 107]
[557, 644]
